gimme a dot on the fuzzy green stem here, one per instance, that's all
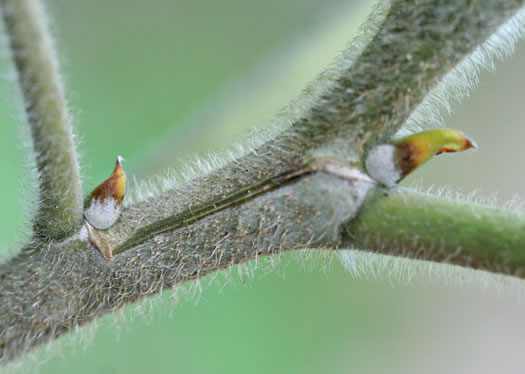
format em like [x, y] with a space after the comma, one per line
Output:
[60, 207]
[418, 225]
[198, 212]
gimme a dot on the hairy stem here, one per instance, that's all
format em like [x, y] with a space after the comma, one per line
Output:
[45, 293]
[55, 286]
[200, 211]
[60, 207]
[418, 225]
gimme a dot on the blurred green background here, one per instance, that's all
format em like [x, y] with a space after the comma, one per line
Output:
[159, 82]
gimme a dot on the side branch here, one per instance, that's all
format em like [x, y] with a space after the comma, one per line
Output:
[60, 207]
[417, 225]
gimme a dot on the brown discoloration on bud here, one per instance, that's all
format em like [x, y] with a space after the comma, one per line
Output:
[102, 207]
[414, 150]
[114, 187]
[466, 144]
[407, 157]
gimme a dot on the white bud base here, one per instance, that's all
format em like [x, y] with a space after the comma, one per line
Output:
[102, 214]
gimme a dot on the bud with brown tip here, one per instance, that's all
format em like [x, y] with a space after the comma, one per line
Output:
[390, 163]
[102, 206]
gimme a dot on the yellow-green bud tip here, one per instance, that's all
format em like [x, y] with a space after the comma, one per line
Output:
[390, 163]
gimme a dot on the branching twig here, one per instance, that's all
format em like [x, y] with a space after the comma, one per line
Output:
[50, 289]
[60, 207]
[421, 226]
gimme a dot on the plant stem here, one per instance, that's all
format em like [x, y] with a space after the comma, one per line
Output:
[418, 225]
[51, 288]
[46, 293]
[200, 211]
[60, 208]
